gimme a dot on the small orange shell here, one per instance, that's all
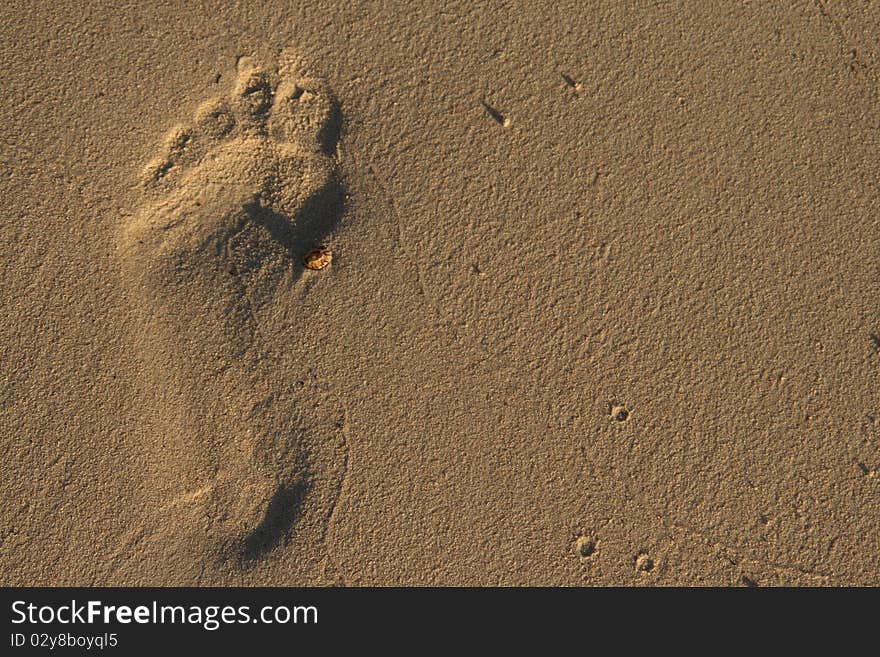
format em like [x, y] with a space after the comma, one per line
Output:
[318, 258]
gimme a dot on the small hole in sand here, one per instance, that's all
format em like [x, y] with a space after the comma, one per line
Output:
[585, 546]
[619, 413]
[644, 563]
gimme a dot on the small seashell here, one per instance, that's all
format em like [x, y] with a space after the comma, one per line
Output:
[318, 258]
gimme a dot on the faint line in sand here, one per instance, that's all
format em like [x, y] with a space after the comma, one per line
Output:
[856, 62]
[402, 243]
[134, 537]
[340, 489]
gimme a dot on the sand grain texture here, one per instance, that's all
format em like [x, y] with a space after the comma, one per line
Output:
[602, 306]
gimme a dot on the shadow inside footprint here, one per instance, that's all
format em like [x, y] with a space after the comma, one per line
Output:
[320, 214]
[313, 222]
[331, 131]
[282, 513]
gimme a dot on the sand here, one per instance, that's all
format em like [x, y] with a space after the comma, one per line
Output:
[602, 305]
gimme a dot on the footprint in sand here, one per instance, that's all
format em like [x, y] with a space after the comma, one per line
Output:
[239, 461]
